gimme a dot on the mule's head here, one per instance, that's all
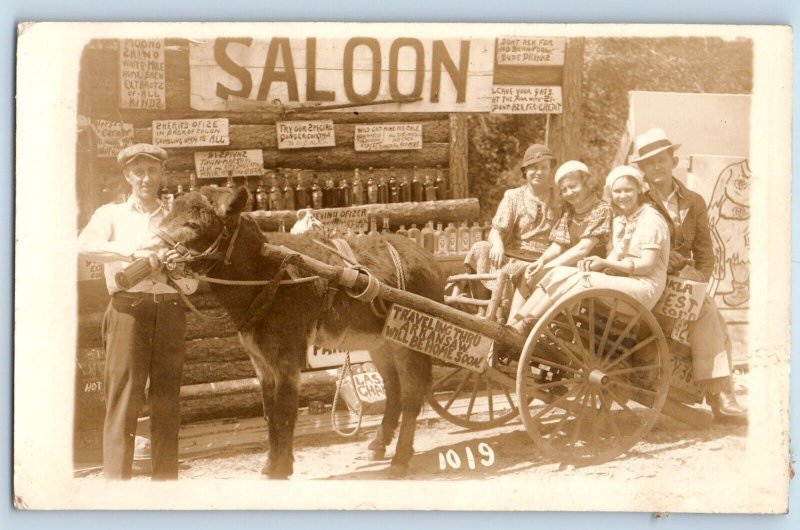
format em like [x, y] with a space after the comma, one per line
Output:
[200, 219]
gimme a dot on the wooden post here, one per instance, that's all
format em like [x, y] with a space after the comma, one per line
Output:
[564, 133]
[459, 149]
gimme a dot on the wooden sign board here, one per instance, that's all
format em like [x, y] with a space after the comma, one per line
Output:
[448, 74]
[113, 136]
[682, 378]
[531, 99]
[437, 337]
[682, 299]
[191, 132]
[142, 80]
[89, 270]
[388, 137]
[317, 357]
[340, 219]
[531, 51]
[680, 331]
[303, 134]
[217, 164]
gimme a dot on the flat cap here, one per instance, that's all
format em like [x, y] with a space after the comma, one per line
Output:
[132, 151]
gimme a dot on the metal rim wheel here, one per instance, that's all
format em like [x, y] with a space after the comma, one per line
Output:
[592, 396]
[474, 400]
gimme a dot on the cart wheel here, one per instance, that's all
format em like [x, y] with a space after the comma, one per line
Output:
[474, 400]
[594, 374]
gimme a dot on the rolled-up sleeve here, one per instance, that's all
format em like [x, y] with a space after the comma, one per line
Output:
[94, 242]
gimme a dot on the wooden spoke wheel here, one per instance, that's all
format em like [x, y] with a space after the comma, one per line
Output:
[594, 375]
[474, 400]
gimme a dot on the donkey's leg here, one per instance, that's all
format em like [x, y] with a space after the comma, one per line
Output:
[415, 375]
[284, 415]
[391, 416]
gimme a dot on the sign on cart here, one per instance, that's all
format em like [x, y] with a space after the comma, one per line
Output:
[437, 337]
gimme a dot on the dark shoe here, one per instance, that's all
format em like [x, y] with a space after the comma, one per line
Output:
[726, 409]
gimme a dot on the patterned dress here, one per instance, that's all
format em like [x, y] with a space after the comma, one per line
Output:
[596, 223]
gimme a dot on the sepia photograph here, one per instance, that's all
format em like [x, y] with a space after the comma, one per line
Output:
[450, 264]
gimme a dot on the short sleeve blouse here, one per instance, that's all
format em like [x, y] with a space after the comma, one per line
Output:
[523, 220]
[596, 223]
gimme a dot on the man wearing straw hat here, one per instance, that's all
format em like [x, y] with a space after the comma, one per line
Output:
[692, 256]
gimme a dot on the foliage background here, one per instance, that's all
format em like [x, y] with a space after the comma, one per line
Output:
[611, 68]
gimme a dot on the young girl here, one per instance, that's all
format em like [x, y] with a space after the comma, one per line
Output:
[636, 265]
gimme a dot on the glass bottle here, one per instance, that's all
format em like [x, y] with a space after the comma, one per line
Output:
[385, 229]
[329, 194]
[402, 231]
[394, 187]
[417, 191]
[441, 185]
[282, 226]
[288, 193]
[373, 227]
[275, 195]
[476, 233]
[165, 194]
[262, 196]
[430, 189]
[300, 193]
[415, 234]
[383, 191]
[429, 237]
[316, 193]
[192, 182]
[405, 189]
[441, 241]
[346, 193]
[358, 189]
[451, 234]
[464, 238]
[179, 191]
[372, 189]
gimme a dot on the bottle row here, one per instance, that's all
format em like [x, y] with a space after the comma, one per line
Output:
[289, 190]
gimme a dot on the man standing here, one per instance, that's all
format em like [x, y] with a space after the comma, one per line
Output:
[691, 245]
[143, 327]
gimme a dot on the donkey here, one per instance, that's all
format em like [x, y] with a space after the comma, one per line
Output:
[306, 313]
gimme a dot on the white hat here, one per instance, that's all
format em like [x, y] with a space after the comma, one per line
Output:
[652, 142]
[569, 167]
[624, 171]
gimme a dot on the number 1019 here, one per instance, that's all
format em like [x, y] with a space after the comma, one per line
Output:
[452, 459]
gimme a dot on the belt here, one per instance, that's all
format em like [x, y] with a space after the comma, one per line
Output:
[147, 297]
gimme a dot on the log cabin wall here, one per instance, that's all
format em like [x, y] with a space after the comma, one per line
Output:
[213, 352]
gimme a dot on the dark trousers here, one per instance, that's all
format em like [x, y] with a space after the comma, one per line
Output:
[143, 338]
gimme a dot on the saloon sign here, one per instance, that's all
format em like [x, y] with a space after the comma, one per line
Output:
[429, 75]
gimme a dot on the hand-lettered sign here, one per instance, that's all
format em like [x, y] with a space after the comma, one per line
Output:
[682, 299]
[388, 137]
[340, 219]
[437, 337]
[218, 164]
[520, 99]
[142, 78]
[112, 136]
[531, 51]
[299, 134]
[191, 132]
[317, 357]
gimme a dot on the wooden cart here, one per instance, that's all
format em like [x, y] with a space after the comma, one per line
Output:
[589, 381]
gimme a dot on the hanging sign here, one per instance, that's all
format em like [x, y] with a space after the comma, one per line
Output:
[142, 78]
[112, 136]
[682, 299]
[515, 99]
[219, 164]
[388, 137]
[191, 132]
[303, 134]
[437, 337]
[531, 51]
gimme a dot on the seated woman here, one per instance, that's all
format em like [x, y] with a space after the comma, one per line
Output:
[636, 265]
[523, 220]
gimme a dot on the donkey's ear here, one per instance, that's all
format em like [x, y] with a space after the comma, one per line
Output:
[233, 203]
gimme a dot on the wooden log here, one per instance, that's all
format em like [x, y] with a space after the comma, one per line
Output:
[493, 330]
[404, 213]
[209, 371]
[220, 350]
[265, 136]
[459, 151]
[564, 135]
[338, 158]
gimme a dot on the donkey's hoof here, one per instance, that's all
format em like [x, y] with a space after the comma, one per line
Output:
[375, 455]
[398, 471]
[276, 472]
[276, 476]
